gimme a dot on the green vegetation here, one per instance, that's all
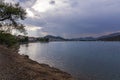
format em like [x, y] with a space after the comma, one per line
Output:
[43, 39]
[7, 39]
[23, 40]
[10, 15]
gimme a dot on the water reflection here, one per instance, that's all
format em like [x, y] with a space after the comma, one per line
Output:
[85, 60]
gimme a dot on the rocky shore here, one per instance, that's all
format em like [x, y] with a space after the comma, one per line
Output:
[19, 67]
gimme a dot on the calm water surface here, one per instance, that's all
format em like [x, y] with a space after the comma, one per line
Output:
[84, 60]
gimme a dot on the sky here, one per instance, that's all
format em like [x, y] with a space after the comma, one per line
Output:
[71, 18]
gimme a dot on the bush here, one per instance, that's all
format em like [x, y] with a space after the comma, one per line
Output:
[7, 39]
[44, 39]
[25, 39]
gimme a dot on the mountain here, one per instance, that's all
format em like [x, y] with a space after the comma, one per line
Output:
[58, 38]
[54, 38]
[110, 37]
[83, 39]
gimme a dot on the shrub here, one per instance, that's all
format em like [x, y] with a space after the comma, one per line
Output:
[44, 39]
[7, 39]
[25, 39]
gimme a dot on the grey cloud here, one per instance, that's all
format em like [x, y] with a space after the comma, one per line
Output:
[26, 3]
[80, 17]
[52, 2]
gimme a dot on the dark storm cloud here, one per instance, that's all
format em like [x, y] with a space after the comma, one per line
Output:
[52, 2]
[80, 17]
[88, 24]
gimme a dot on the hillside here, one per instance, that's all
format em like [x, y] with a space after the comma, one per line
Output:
[110, 37]
[54, 38]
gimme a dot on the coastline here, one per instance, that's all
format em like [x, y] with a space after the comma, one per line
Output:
[14, 66]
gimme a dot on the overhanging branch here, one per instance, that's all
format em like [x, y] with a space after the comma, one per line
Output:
[2, 19]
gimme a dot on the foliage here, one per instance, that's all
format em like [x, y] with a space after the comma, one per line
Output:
[44, 39]
[10, 15]
[25, 39]
[7, 39]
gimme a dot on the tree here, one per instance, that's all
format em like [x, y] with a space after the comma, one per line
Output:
[10, 17]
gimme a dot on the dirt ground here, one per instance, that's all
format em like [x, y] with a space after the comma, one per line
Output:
[17, 67]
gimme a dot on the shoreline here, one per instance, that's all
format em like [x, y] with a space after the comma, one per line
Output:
[14, 66]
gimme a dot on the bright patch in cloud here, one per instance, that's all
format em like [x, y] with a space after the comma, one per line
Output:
[33, 28]
[42, 5]
[29, 13]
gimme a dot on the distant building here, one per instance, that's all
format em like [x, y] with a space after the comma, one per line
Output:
[32, 39]
[26, 38]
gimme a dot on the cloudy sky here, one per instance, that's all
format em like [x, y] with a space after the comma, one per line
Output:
[71, 18]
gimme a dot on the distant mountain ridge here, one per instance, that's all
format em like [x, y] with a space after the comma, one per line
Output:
[83, 39]
[58, 38]
[54, 38]
[109, 37]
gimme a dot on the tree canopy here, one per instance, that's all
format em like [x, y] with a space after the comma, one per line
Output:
[10, 17]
